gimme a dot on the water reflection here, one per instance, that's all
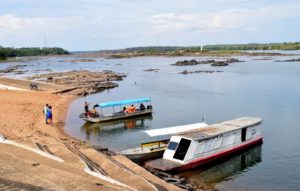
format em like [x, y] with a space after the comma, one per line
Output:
[226, 170]
[115, 127]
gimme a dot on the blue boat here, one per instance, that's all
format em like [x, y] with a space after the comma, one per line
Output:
[115, 110]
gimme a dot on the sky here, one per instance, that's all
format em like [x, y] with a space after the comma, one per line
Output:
[78, 25]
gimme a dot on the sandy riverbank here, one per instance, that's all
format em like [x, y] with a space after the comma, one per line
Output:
[21, 121]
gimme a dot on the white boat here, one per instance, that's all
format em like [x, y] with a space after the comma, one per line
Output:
[155, 149]
[120, 113]
[198, 147]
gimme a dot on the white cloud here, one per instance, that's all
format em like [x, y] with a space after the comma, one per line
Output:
[94, 24]
[192, 22]
[28, 31]
[11, 22]
[171, 22]
[243, 19]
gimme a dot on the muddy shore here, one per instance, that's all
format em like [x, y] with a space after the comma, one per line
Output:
[83, 168]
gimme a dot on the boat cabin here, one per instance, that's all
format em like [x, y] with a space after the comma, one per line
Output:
[190, 149]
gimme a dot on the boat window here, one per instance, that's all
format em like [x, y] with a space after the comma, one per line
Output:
[182, 149]
[243, 134]
[172, 145]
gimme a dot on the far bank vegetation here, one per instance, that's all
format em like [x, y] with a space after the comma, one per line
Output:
[7, 52]
[220, 49]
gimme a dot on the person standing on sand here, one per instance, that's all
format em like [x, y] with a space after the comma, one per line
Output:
[49, 115]
[45, 110]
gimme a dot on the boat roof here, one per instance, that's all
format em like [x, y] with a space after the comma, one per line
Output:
[175, 129]
[124, 102]
[222, 127]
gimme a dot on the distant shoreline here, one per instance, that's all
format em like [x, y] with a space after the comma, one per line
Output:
[121, 54]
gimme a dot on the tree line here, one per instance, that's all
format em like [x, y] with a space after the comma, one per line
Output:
[7, 52]
[219, 47]
[253, 46]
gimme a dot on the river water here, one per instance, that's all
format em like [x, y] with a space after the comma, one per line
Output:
[258, 87]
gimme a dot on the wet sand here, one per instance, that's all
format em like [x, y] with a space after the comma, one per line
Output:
[22, 121]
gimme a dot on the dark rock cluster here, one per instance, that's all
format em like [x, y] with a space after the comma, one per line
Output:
[199, 71]
[79, 60]
[151, 70]
[291, 60]
[211, 62]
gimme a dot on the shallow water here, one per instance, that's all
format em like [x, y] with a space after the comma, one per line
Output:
[258, 88]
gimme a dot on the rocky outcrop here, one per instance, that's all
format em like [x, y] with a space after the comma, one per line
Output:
[199, 71]
[12, 69]
[291, 60]
[79, 60]
[265, 58]
[211, 62]
[220, 63]
[82, 82]
[187, 63]
[151, 70]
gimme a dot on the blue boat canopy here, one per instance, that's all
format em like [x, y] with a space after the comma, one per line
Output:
[124, 102]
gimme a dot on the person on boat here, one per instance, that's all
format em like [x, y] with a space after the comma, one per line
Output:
[45, 110]
[133, 109]
[128, 110]
[50, 115]
[93, 112]
[142, 107]
[124, 110]
[86, 107]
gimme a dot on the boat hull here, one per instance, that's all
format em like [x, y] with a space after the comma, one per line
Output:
[160, 164]
[113, 118]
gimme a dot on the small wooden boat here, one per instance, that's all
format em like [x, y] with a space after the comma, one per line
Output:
[146, 151]
[198, 147]
[96, 117]
[155, 149]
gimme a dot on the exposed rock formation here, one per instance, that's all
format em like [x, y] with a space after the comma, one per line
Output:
[79, 60]
[199, 71]
[82, 82]
[291, 60]
[151, 70]
[211, 62]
